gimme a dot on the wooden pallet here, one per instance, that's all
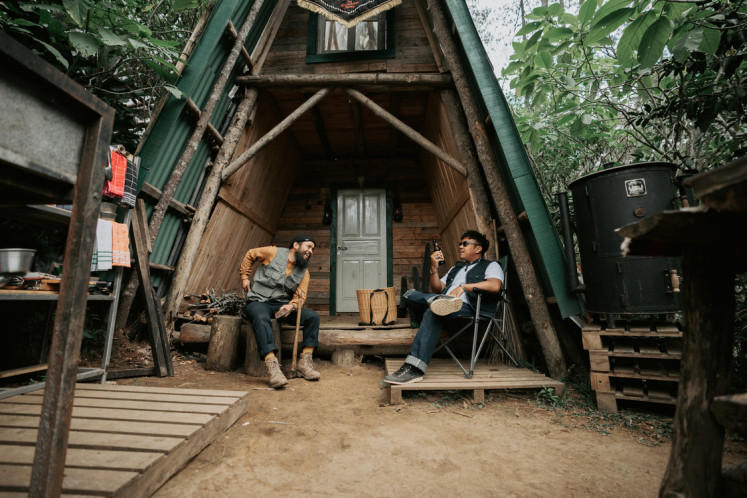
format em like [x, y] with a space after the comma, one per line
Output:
[445, 375]
[640, 361]
[124, 440]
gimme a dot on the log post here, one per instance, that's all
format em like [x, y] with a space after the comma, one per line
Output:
[224, 337]
[205, 207]
[176, 175]
[533, 293]
[254, 366]
[694, 467]
[343, 357]
[477, 196]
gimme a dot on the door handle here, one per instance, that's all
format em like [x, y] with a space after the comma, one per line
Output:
[342, 248]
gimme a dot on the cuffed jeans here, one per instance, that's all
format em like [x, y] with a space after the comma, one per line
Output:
[261, 314]
[430, 328]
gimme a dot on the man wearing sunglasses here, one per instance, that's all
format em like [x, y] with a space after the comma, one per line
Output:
[453, 296]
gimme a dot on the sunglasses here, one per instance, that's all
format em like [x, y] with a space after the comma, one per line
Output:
[465, 243]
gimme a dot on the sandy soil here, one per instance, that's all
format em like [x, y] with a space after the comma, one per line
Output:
[339, 437]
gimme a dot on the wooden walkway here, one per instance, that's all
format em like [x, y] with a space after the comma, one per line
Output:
[124, 440]
[444, 375]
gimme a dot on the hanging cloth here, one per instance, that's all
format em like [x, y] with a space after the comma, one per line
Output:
[130, 185]
[120, 245]
[348, 13]
[103, 245]
[115, 186]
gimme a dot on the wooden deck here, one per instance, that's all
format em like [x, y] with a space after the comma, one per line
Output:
[124, 440]
[444, 375]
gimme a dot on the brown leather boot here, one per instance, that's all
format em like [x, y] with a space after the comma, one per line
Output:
[306, 368]
[277, 379]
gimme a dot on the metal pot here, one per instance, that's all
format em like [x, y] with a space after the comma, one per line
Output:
[16, 261]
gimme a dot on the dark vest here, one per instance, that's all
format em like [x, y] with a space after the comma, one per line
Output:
[270, 282]
[475, 274]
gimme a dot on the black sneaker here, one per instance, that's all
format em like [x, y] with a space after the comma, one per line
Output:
[407, 374]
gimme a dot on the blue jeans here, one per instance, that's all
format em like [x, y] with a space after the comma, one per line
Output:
[261, 314]
[431, 326]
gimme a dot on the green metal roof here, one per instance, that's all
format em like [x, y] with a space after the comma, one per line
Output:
[543, 241]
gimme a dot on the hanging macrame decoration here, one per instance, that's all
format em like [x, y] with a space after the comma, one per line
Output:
[348, 12]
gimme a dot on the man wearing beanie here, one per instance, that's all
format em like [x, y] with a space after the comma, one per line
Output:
[280, 278]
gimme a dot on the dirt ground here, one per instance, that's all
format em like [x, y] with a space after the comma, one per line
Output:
[339, 437]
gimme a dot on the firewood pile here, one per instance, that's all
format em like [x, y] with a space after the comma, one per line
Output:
[212, 303]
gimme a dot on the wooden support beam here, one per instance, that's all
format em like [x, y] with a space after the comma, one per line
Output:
[392, 82]
[231, 30]
[432, 41]
[522, 217]
[215, 179]
[321, 131]
[151, 192]
[533, 292]
[193, 109]
[407, 131]
[272, 134]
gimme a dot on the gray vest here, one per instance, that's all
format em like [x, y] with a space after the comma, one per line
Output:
[270, 282]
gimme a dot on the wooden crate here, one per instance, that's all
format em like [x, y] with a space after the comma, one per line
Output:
[638, 361]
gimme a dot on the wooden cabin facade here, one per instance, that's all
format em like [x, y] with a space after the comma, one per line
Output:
[384, 161]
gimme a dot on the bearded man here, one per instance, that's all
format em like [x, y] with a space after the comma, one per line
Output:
[279, 279]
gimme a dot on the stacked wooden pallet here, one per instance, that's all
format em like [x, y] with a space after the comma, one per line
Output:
[637, 361]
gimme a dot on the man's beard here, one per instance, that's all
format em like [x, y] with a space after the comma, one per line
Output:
[301, 261]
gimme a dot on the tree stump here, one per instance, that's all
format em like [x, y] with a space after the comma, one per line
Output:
[343, 357]
[224, 337]
[254, 365]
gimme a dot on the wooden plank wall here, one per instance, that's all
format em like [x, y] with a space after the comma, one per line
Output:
[248, 208]
[414, 54]
[447, 188]
[314, 186]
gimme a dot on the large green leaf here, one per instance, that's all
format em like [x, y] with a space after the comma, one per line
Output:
[586, 11]
[608, 24]
[687, 43]
[109, 38]
[56, 53]
[653, 42]
[632, 35]
[559, 34]
[529, 27]
[711, 41]
[85, 43]
[184, 4]
[608, 8]
[543, 59]
[74, 10]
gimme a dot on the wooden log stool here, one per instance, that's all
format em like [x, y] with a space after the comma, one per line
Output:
[223, 347]
[254, 366]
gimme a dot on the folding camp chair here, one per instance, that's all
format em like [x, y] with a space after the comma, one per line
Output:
[495, 328]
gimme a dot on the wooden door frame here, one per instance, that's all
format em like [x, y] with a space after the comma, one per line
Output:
[333, 238]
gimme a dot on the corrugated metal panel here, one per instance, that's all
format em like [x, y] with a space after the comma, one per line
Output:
[168, 136]
[545, 246]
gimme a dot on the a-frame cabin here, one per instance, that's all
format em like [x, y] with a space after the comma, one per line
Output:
[374, 139]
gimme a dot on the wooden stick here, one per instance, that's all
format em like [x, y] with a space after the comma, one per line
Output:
[409, 132]
[295, 338]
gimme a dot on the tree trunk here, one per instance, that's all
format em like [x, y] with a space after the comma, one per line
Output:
[533, 293]
[224, 337]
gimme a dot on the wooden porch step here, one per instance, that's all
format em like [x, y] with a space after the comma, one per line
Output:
[445, 375]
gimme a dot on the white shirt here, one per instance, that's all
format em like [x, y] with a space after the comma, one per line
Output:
[493, 270]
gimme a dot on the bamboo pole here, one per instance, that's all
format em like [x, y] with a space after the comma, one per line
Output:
[533, 293]
[279, 128]
[477, 195]
[393, 81]
[407, 131]
[167, 193]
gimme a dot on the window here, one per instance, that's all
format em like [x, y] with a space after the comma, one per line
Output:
[370, 39]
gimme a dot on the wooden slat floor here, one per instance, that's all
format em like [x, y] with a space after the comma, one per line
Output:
[443, 374]
[124, 440]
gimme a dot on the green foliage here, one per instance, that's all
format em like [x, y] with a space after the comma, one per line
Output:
[627, 81]
[122, 51]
